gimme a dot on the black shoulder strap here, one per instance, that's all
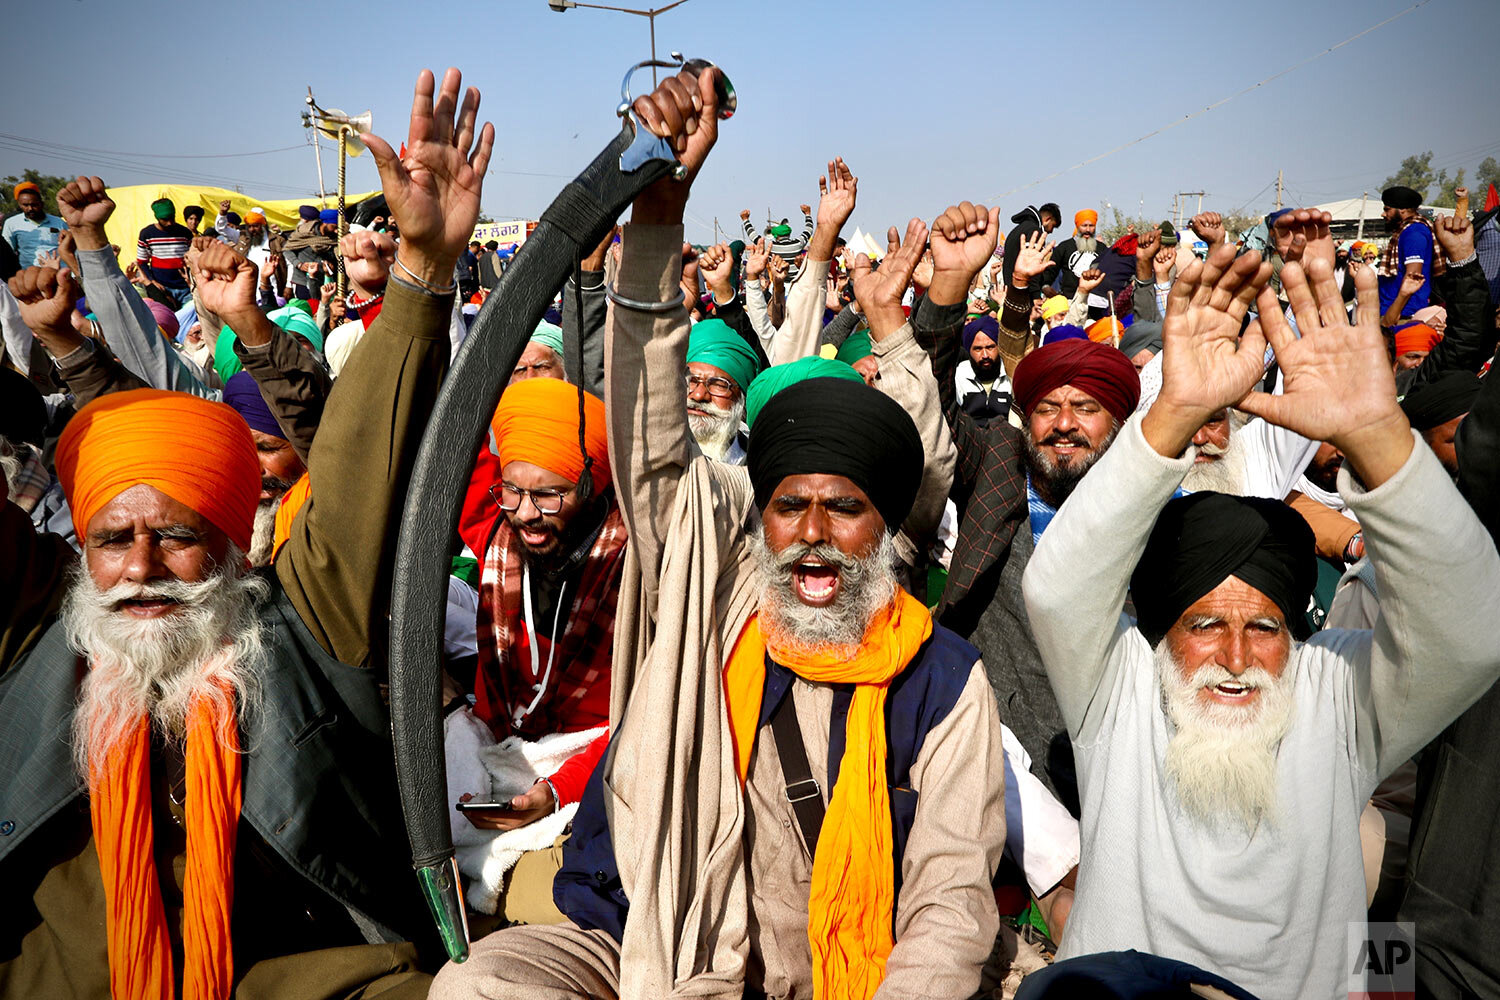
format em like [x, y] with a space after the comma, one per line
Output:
[802, 789]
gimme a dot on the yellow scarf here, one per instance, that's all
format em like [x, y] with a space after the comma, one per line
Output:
[853, 882]
[140, 949]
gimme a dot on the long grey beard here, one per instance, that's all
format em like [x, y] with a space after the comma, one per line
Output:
[1086, 244]
[866, 585]
[1222, 759]
[715, 432]
[263, 534]
[212, 643]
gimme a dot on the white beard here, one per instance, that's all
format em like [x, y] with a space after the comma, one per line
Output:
[715, 431]
[1222, 759]
[159, 666]
[263, 534]
[1226, 475]
[866, 585]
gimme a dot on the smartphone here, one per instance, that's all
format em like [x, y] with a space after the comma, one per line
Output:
[495, 810]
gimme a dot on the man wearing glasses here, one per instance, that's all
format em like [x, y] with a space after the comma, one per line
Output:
[720, 366]
[541, 515]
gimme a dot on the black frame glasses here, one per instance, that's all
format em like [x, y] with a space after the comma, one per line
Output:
[545, 500]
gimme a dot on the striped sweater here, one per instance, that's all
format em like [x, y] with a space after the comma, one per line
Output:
[160, 253]
[788, 247]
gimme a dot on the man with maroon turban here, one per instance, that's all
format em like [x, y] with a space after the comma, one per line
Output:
[1073, 396]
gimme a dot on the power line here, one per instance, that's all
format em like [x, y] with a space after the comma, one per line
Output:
[1219, 103]
[146, 156]
[96, 160]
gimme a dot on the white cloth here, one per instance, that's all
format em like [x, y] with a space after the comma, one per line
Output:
[1271, 910]
[495, 773]
[18, 336]
[1040, 834]
[1332, 501]
[341, 343]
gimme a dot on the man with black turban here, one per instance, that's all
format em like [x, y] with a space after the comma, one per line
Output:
[1411, 251]
[1223, 764]
[804, 793]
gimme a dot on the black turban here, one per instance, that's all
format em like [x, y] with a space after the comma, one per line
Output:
[23, 415]
[1201, 540]
[838, 427]
[1429, 404]
[1401, 197]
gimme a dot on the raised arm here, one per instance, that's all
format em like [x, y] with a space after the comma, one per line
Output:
[797, 337]
[337, 565]
[44, 299]
[645, 350]
[1469, 340]
[128, 325]
[587, 327]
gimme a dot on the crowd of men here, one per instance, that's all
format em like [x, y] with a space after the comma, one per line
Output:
[999, 617]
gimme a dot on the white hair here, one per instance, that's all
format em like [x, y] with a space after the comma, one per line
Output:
[1221, 759]
[263, 533]
[212, 646]
[866, 585]
[714, 430]
[1228, 472]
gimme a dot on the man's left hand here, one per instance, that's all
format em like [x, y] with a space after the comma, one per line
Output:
[879, 292]
[534, 803]
[963, 240]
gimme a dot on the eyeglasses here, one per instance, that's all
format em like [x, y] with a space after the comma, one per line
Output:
[719, 388]
[508, 498]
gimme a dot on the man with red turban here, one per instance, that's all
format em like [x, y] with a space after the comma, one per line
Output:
[1073, 395]
[540, 513]
[200, 796]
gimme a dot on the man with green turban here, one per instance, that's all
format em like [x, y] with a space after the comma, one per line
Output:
[543, 357]
[720, 368]
[779, 377]
[289, 318]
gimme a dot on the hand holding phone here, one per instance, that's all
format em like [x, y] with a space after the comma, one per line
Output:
[528, 807]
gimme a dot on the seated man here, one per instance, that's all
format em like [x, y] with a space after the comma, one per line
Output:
[1222, 765]
[761, 825]
[199, 768]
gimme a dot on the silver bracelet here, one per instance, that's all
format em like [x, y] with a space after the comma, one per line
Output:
[1467, 260]
[434, 289]
[637, 304]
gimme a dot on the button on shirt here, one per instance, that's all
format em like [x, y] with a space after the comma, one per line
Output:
[32, 240]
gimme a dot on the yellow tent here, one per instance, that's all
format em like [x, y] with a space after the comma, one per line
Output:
[133, 209]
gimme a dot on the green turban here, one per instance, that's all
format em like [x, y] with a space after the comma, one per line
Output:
[781, 232]
[855, 347]
[289, 318]
[548, 335]
[302, 304]
[163, 209]
[778, 377]
[712, 342]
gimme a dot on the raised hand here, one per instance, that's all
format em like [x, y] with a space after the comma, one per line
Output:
[226, 283]
[755, 260]
[744, 215]
[368, 257]
[595, 260]
[1206, 364]
[837, 194]
[879, 292]
[923, 275]
[85, 207]
[1162, 264]
[684, 110]
[1337, 384]
[224, 207]
[963, 240]
[1090, 280]
[779, 267]
[1303, 235]
[1455, 234]
[45, 296]
[1033, 258]
[433, 193]
[717, 267]
[1210, 228]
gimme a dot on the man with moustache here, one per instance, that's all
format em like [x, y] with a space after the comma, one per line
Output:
[720, 367]
[199, 780]
[1078, 252]
[1223, 765]
[804, 793]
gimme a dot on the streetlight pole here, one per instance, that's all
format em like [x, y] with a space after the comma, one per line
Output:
[561, 6]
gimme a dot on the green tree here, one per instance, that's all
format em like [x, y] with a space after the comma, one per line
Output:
[49, 184]
[1487, 174]
[1445, 198]
[1415, 172]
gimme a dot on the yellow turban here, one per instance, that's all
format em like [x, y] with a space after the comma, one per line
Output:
[122, 440]
[1055, 306]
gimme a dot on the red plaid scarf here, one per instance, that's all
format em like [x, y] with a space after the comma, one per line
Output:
[581, 661]
[1391, 265]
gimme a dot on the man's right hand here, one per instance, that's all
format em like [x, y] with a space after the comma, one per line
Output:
[433, 193]
[837, 194]
[1090, 280]
[45, 296]
[755, 260]
[85, 207]
[879, 292]
[368, 256]
[1303, 235]
[1210, 228]
[684, 110]
[717, 266]
[744, 215]
[1456, 236]
[1032, 259]
[224, 207]
[963, 239]
[226, 283]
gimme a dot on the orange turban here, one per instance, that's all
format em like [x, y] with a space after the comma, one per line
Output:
[1416, 337]
[120, 440]
[1103, 330]
[1084, 215]
[537, 422]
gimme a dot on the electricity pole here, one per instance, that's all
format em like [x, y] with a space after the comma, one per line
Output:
[1278, 190]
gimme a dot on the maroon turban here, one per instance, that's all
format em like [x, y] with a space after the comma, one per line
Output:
[1102, 371]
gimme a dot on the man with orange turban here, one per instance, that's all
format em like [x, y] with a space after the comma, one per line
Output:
[1413, 342]
[1077, 253]
[540, 513]
[200, 796]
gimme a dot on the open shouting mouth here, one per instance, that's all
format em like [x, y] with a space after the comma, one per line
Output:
[817, 583]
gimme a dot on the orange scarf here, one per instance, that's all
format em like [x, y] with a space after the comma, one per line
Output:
[140, 949]
[853, 881]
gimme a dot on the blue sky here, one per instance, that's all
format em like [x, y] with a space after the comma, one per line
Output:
[929, 102]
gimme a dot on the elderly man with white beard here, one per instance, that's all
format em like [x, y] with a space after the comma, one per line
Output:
[1223, 765]
[199, 792]
[804, 792]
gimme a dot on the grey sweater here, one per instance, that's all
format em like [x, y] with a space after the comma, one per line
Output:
[1269, 911]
